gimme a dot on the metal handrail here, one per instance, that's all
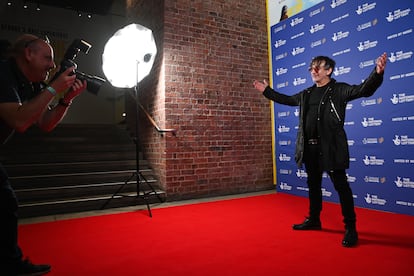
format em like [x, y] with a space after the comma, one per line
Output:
[160, 130]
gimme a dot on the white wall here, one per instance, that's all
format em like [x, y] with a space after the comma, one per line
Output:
[63, 26]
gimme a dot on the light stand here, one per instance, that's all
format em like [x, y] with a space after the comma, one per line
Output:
[133, 50]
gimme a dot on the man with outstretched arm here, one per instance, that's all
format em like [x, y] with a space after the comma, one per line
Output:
[321, 143]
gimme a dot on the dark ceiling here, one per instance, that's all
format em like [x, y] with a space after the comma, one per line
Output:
[101, 7]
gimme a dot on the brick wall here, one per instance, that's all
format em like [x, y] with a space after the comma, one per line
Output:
[209, 53]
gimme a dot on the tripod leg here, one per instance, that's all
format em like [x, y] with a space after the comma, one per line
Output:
[149, 210]
[150, 186]
[117, 191]
[144, 195]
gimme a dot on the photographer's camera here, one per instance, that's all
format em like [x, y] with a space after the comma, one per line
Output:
[94, 83]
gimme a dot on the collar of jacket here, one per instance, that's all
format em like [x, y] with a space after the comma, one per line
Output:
[331, 84]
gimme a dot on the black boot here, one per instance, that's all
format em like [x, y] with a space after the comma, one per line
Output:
[308, 224]
[350, 238]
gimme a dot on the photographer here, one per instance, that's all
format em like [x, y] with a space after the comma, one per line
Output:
[26, 100]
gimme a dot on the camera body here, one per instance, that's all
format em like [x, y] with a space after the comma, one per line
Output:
[94, 83]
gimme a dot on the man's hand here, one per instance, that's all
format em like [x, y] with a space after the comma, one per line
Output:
[381, 62]
[65, 80]
[260, 86]
[77, 87]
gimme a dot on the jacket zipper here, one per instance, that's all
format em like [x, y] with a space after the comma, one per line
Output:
[334, 109]
[320, 103]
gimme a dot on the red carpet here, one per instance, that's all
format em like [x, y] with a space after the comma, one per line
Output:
[247, 236]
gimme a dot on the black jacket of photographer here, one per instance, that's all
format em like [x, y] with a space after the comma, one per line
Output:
[333, 141]
[14, 88]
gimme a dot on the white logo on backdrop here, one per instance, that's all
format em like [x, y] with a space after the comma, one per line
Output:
[281, 56]
[301, 173]
[340, 35]
[400, 55]
[282, 84]
[367, 63]
[341, 70]
[279, 28]
[316, 28]
[371, 102]
[297, 35]
[365, 45]
[294, 66]
[298, 50]
[371, 122]
[285, 187]
[365, 7]
[367, 25]
[341, 52]
[296, 112]
[281, 71]
[337, 3]
[283, 114]
[279, 43]
[402, 98]
[404, 203]
[399, 34]
[326, 193]
[285, 142]
[351, 179]
[374, 179]
[374, 199]
[317, 11]
[318, 43]
[367, 141]
[296, 21]
[403, 161]
[403, 140]
[397, 14]
[283, 157]
[373, 161]
[299, 81]
[401, 76]
[404, 182]
[402, 119]
[285, 171]
[283, 129]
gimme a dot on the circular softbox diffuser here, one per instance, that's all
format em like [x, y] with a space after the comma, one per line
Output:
[129, 55]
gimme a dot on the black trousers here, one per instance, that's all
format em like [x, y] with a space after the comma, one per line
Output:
[10, 253]
[339, 180]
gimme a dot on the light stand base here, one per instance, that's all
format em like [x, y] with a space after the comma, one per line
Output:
[144, 195]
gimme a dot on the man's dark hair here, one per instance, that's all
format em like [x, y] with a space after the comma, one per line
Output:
[329, 63]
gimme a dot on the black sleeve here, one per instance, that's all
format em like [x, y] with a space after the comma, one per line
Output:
[280, 98]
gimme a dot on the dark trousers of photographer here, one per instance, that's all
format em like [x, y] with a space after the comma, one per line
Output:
[10, 253]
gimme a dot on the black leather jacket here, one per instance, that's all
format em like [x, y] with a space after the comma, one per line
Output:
[331, 117]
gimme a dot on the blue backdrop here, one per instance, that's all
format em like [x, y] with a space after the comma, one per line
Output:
[380, 128]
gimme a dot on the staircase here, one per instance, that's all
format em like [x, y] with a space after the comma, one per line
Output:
[76, 168]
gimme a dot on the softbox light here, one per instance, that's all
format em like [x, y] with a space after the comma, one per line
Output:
[129, 55]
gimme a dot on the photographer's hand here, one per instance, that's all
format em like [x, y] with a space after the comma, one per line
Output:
[77, 87]
[64, 80]
[52, 117]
